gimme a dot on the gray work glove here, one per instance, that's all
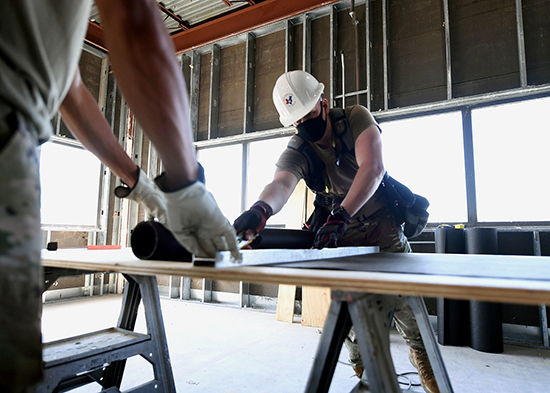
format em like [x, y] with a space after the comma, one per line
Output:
[148, 195]
[197, 222]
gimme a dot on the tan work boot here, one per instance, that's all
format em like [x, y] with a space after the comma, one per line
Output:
[358, 371]
[419, 359]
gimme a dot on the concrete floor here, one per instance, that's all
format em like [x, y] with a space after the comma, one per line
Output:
[222, 349]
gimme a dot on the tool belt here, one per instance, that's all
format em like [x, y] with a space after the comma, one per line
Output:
[408, 208]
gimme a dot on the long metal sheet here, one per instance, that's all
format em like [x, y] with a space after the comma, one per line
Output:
[465, 265]
[276, 256]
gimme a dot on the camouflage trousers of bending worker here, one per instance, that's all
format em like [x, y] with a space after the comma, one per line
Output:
[20, 270]
[382, 230]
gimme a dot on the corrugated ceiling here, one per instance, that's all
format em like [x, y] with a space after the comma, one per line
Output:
[191, 12]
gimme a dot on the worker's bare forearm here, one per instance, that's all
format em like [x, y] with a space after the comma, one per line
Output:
[368, 152]
[365, 184]
[146, 69]
[276, 193]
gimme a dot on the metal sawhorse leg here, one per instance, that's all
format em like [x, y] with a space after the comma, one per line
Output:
[101, 356]
[368, 313]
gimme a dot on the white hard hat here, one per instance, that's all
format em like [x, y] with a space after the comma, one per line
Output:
[295, 95]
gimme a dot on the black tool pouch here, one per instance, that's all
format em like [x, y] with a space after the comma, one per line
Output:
[407, 207]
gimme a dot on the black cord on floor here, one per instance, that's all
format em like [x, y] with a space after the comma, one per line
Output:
[404, 375]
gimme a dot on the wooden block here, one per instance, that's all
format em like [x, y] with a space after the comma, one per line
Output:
[315, 304]
[285, 303]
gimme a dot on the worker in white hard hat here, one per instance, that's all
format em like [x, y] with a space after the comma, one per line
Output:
[339, 155]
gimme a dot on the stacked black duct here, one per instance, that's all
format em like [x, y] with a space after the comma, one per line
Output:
[485, 317]
[461, 322]
[453, 316]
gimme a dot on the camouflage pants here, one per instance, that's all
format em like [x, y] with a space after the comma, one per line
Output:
[381, 230]
[20, 271]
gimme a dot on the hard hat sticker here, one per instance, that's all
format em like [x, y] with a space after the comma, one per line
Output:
[289, 100]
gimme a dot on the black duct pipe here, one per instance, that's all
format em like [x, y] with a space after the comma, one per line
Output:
[453, 316]
[485, 317]
[151, 240]
[283, 238]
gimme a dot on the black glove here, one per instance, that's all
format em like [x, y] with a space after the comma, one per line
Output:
[253, 219]
[334, 228]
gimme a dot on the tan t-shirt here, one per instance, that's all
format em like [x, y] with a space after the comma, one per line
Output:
[40, 45]
[338, 178]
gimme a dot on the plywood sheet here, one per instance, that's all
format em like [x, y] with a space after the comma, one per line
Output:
[531, 287]
[315, 304]
[285, 303]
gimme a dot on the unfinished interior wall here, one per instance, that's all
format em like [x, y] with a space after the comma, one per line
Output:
[484, 47]
[204, 97]
[536, 22]
[320, 52]
[232, 87]
[354, 68]
[416, 52]
[270, 64]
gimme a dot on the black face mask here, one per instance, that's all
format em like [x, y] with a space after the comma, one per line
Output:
[313, 129]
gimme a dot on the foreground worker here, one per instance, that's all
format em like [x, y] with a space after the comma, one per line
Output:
[339, 155]
[40, 45]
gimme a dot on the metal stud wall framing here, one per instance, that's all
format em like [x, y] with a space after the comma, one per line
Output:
[521, 44]
[214, 93]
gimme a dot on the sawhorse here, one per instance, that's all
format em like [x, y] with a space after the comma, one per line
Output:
[101, 356]
[369, 314]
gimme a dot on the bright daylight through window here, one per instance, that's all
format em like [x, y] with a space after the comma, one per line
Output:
[223, 170]
[70, 180]
[511, 148]
[427, 155]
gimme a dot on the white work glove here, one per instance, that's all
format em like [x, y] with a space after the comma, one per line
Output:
[197, 222]
[146, 193]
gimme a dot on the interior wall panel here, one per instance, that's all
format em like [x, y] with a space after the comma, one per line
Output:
[320, 52]
[270, 64]
[417, 52]
[204, 97]
[90, 71]
[484, 46]
[232, 73]
[346, 44]
[536, 22]
[298, 45]
[377, 61]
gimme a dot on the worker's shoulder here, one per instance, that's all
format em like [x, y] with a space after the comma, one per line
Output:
[357, 111]
[296, 142]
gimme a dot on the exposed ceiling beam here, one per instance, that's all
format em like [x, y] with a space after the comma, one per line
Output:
[241, 21]
[181, 23]
[94, 36]
[244, 20]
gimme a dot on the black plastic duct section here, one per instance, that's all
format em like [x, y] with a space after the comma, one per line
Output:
[151, 240]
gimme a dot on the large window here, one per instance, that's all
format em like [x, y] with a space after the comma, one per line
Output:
[70, 181]
[511, 148]
[223, 169]
[426, 154]
[261, 166]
